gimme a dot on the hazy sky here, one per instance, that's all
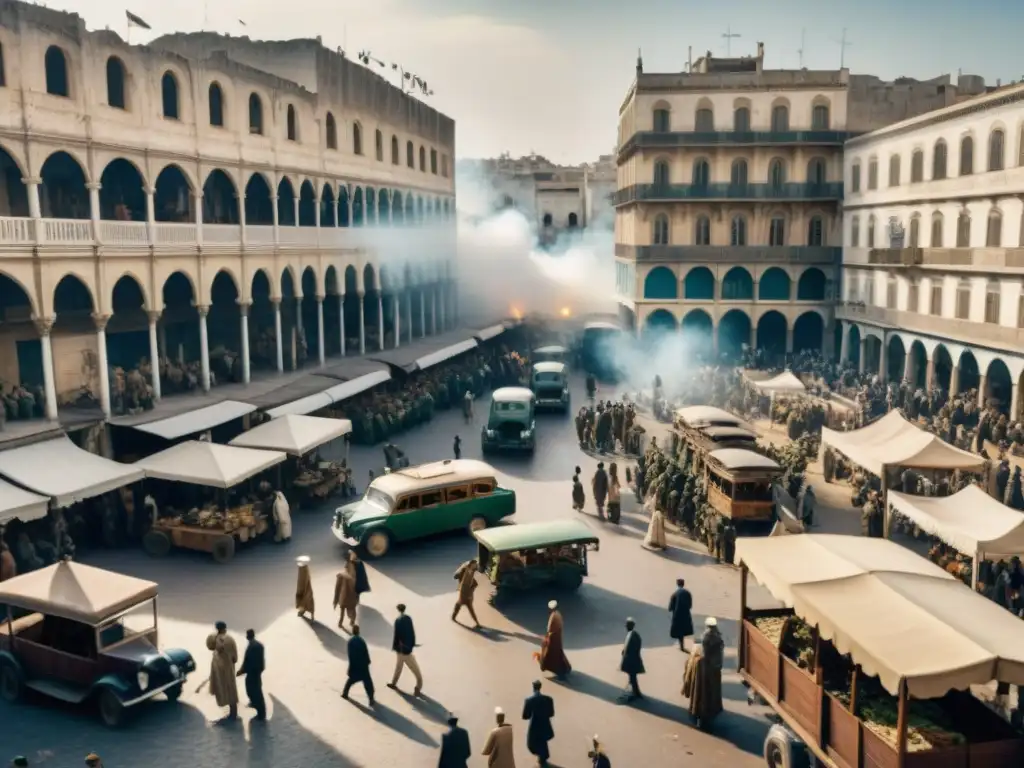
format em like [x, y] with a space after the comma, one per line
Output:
[549, 75]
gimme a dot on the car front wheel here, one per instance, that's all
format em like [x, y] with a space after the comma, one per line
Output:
[11, 684]
[377, 544]
[477, 524]
[111, 708]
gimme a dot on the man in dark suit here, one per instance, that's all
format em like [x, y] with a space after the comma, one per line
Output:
[539, 709]
[403, 643]
[253, 664]
[632, 663]
[455, 749]
[358, 665]
[680, 605]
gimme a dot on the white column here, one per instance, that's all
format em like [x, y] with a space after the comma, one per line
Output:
[154, 355]
[844, 344]
[197, 200]
[204, 348]
[862, 363]
[241, 215]
[94, 212]
[150, 215]
[1015, 402]
[789, 341]
[408, 313]
[35, 210]
[982, 390]
[883, 361]
[929, 375]
[101, 356]
[243, 310]
[423, 312]
[433, 310]
[295, 201]
[277, 335]
[362, 325]
[321, 354]
[277, 223]
[45, 325]
[398, 320]
[442, 297]
[341, 321]
[380, 320]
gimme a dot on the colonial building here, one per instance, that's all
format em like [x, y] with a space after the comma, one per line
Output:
[728, 204]
[933, 259]
[207, 193]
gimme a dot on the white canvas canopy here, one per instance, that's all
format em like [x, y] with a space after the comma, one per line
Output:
[894, 441]
[19, 504]
[485, 334]
[199, 420]
[784, 384]
[422, 363]
[336, 394]
[707, 415]
[898, 615]
[970, 521]
[210, 464]
[64, 472]
[297, 435]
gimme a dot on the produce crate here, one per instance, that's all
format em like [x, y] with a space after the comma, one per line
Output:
[763, 660]
[842, 742]
[801, 696]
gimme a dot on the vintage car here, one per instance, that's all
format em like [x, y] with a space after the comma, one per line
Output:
[519, 557]
[511, 423]
[84, 634]
[550, 384]
[422, 501]
[553, 353]
[740, 487]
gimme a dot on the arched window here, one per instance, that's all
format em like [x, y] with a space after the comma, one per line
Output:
[378, 145]
[701, 173]
[662, 121]
[115, 83]
[738, 178]
[776, 173]
[169, 92]
[660, 229]
[855, 177]
[661, 173]
[777, 231]
[937, 223]
[423, 159]
[939, 160]
[816, 171]
[963, 230]
[935, 298]
[913, 295]
[996, 150]
[741, 120]
[871, 231]
[255, 114]
[702, 231]
[894, 171]
[855, 232]
[966, 156]
[704, 121]
[917, 166]
[820, 118]
[331, 131]
[433, 161]
[56, 65]
[816, 231]
[891, 291]
[357, 139]
[993, 295]
[873, 173]
[963, 299]
[994, 232]
[915, 231]
[780, 118]
[410, 155]
[394, 150]
[215, 97]
[293, 128]
[738, 231]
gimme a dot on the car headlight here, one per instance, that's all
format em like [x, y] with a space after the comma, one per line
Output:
[525, 433]
[142, 678]
[175, 672]
[490, 433]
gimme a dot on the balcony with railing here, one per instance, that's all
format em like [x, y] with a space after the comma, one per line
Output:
[982, 259]
[793, 191]
[668, 139]
[737, 254]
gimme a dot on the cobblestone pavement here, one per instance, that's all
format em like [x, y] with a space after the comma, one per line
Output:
[467, 672]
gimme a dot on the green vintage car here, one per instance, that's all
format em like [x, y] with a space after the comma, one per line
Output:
[511, 423]
[550, 383]
[551, 354]
[421, 501]
[518, 557]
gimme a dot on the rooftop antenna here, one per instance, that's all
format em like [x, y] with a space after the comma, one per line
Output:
[729, 35]
[843, 45]
[800, 52]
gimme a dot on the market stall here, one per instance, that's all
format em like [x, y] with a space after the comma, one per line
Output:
[214, 522]
[197, 421]
[871, 659]
[420, 357]
[19, 504]
[300, 437]
[786, 384]
[970, 521]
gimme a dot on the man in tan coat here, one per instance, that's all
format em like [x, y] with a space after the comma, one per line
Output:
[499, 748]
[345, 596]
[223, 683]
[466, 576]
[304, 602]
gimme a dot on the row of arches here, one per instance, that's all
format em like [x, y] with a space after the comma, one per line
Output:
[936, 229]
[704, 116]
[737, 285]
[700, 175]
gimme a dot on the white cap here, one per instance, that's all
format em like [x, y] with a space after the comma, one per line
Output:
[302, 560]
[553, 604]
[499, 711]
[710, 621]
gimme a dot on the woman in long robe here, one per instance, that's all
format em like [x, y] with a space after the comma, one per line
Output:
[614, 494]
[223, 684]
[552, 651]
[655, 538]
[282, 518]
[702, 681]
[304, 602]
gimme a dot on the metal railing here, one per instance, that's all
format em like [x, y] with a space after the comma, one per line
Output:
[706, 254]
[980, 258]
[664, 139]
[965, 331]
[753, 191]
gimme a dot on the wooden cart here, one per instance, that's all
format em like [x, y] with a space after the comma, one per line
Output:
[218, 541]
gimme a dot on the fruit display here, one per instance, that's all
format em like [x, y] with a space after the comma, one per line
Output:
[215, 519]
[771, 627]
[793, 636]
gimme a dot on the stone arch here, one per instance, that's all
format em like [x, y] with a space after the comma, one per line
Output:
[259, 203]
[942, 365]
[774, 285]
[328, 207]
[173, 195]
[261, 286]
[970, 375]
[286, 202]
[383, 207]
[13, 293]
[290, 288]
[344, 217]
[811, 286]
[697, 330]
[733, 333]
[179, 291]
[220, 283]
[809, 332]
[661, 283]
[128, 294]
[397, 208]
[122, 195]
[659, 323]
[853, 345]
[63, 194]
[220, 198]
[896, 357]
[699, 284]
[772, 328]
[917, 364]
[738, 285]
[11, 175]
[780, 114]
[369, 279]
[357, 207]
[998, 385]
[307, 204]
[72, 296]
[310, 282]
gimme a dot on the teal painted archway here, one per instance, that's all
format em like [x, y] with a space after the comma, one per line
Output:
[660, 283]
[699, 284]
[774, 285]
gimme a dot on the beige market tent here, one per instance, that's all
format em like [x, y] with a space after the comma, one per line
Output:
[297, 435]
[19, 504]
[898, 615]
[210, 464]
[784, 384]
[707, 416]
[894, 441]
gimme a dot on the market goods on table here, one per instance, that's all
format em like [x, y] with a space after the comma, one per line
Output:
[793, 636]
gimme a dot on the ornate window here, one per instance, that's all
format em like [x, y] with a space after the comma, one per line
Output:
[963, 230]
[966, 156]
[939, 160]
[996, 150]
[992, 297]
[777, 231]
[894, 171]
[738, 235]
[917, 166]
[702, 231]
[937, 225]
[661, 229]
[994, 231]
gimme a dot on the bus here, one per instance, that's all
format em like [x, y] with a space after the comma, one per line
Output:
[599, 348]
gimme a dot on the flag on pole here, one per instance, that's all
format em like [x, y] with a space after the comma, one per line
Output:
[136, 21]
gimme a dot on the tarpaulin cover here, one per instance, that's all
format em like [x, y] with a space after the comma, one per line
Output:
[210, 464]
[18, 504]
[297, 435]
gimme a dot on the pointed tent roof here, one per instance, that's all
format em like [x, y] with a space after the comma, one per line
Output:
[784, 383]
[210, 464]
[293, 434]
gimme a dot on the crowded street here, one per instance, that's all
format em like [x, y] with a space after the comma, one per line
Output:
[466, 672]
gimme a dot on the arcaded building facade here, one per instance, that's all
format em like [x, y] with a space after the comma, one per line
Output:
[206, 195]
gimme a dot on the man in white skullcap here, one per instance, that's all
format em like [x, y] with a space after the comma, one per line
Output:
[597, 756]
[499, 748]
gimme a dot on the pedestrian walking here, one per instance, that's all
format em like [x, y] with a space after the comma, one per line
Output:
[304, 602]
[552, 650]
[345, 596]
[680, 606]
[403, 643]
[539, 709]
[598, 757]
[455, 749]
[466, 576]
[253, 664]
[579, 497]
[282, 519]
[222, 670]
[358, 665]
[599, 485]
[499, 747]
[457, 447]
[702, 680]
[632, 662]
[614, 494]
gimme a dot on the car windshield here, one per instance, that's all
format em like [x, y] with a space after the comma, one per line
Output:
[378, 498]
[515, 406]
[548, 378]
[137, 621]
